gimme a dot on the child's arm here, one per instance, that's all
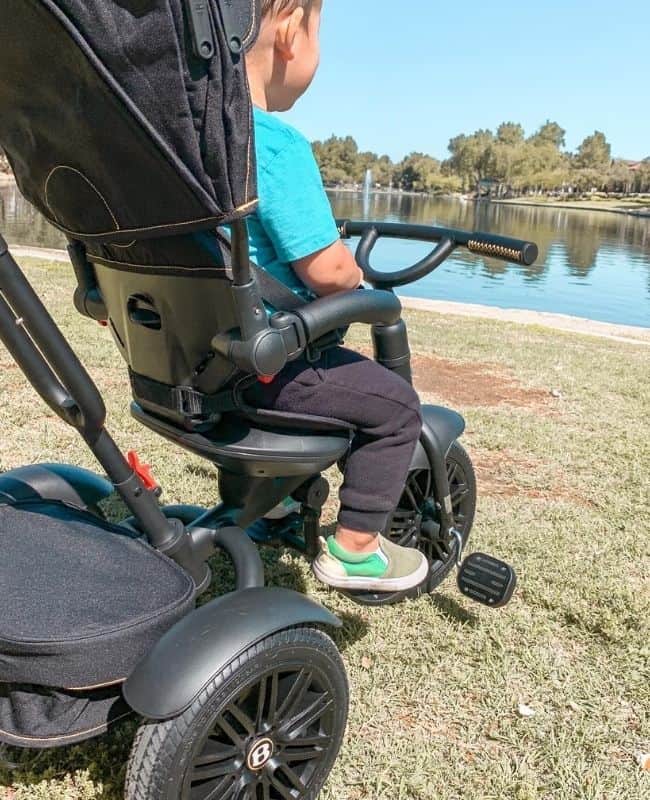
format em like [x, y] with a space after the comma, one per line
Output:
[330, 270]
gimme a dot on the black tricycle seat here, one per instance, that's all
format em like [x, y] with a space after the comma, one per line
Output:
[83, 601]
[244, 447]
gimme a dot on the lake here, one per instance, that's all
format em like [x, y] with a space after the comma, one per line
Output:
[591, 264]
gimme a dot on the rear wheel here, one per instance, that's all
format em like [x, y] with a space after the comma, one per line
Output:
[268, 727]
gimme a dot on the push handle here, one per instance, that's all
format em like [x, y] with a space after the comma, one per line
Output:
[38, 346]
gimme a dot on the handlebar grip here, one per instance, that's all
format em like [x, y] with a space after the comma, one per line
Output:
[503, 247]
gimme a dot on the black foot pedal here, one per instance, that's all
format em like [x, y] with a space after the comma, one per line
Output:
[487, 580]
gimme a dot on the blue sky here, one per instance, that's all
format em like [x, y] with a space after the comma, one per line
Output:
[404, 76]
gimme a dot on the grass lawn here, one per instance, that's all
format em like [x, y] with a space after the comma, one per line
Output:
[559, 427]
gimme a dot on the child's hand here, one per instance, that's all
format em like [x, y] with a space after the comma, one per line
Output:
[330, 270]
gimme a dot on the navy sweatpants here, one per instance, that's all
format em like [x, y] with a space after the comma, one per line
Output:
[385, 411]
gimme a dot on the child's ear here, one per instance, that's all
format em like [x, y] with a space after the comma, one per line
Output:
[286, 33]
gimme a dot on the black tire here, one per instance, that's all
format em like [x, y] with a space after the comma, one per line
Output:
[230, 746]
[416, 524]
[463, 490]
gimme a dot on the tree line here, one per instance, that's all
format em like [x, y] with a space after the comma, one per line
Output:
[501, 163]
[505, 162]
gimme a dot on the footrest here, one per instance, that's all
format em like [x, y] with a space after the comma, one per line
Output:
[487, 580]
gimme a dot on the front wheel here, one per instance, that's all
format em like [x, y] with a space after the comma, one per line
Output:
[416, 523]
[462, 489]
[268, 727]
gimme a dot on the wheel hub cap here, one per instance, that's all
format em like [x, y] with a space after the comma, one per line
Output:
[260, 754]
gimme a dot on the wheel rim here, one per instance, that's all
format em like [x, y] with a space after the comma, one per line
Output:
[268, 742]
[416, 521]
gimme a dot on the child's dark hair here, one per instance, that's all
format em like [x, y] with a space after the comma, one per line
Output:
[275, 6]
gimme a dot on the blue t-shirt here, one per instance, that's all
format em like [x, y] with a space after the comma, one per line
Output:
[294, 218]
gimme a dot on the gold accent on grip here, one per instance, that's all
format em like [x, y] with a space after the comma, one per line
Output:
[487, 249]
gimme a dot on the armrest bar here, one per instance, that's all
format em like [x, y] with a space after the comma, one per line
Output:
[372, 307]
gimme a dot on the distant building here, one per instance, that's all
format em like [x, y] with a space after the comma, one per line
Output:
[635, 166]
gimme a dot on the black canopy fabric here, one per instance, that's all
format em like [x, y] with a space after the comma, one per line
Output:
[116, 128]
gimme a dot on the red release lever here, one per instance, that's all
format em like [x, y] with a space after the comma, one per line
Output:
[143, 471]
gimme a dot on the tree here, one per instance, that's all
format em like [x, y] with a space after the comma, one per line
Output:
[516, 163]
[642, 177]
[382, 171]
[337, 158]
[418, 173]
[620, 177]
[473, 157]
[550, 133]
[510, 134]
[595, 152]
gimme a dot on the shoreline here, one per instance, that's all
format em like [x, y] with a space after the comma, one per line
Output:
[640, 213]
[629, 334]
[618, 332]
[7, 179]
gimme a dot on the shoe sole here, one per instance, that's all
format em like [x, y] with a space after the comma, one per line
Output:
[374, 584]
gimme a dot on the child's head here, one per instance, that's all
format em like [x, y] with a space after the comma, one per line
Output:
[285, 57]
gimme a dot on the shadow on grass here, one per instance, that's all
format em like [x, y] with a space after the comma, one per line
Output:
[102, 759]
[289, 575]
[451, 610]
[354, 628]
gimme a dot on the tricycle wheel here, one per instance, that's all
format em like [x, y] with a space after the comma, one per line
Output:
[267, 727]
[462, 488]
[416, 523]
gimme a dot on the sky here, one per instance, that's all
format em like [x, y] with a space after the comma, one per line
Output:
[408, 76]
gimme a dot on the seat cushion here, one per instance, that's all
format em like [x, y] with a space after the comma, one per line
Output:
[240, 447]
[82, 600]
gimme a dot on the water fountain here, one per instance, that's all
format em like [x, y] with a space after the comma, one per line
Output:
[367, 186]
[367, 183]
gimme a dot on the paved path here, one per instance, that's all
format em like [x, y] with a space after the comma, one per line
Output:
[630, 211]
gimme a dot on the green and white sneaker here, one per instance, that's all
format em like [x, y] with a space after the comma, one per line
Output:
[390, 568]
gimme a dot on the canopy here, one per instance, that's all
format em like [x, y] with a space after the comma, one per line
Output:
[129, 119]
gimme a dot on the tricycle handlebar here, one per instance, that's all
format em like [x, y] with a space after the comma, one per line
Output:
[446, 239]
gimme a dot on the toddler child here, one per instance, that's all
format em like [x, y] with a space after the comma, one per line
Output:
[294, 237]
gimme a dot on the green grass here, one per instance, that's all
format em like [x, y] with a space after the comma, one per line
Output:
[436, 683]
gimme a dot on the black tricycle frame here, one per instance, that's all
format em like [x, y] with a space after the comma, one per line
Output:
[184, 534]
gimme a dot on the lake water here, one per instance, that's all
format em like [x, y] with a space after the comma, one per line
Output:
[591, 264]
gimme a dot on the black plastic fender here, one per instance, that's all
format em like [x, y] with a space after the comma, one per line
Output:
[447, 425]
[197, 648]
[72, 485]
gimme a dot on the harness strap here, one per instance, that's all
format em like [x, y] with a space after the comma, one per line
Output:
[275, 292]
[183, 400]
